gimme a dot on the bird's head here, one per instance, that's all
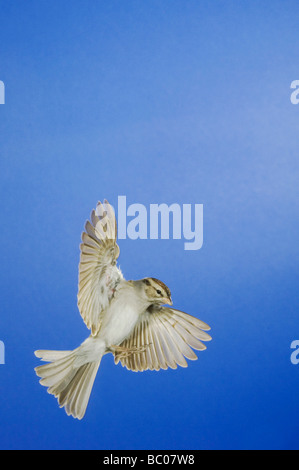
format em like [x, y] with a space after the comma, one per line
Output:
[156, 291]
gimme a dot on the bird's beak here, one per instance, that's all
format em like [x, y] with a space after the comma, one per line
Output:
[168, 301]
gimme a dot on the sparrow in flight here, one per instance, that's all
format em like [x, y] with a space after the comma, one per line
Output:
[126, 318]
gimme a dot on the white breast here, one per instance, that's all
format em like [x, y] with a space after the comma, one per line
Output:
[121, 317]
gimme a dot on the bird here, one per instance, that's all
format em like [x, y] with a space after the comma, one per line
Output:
[132, 319]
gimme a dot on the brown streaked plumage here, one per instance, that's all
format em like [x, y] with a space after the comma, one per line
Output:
[161, 284]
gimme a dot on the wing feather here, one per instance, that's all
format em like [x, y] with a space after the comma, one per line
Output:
[166, 350]
[99, 276]
[164, 337]
[152, 357]
[180, 344]
[162, 364]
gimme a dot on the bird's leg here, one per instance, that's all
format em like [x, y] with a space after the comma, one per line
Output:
[122, 352]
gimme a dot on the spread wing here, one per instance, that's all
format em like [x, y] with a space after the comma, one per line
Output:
[98, 274]
[163, 338]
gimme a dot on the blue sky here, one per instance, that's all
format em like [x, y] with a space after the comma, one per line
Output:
[182, 102]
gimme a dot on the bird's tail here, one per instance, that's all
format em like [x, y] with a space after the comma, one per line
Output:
[68, 380]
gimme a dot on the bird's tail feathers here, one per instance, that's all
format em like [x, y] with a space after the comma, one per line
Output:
[68, 379]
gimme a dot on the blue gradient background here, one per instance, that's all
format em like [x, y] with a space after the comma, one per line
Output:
[161, 101]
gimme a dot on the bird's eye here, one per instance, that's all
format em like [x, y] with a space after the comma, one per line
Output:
[159, 292]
